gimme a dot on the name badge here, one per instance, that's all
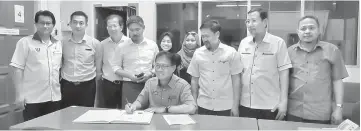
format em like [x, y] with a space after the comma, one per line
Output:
[245, 53]
[88, 49]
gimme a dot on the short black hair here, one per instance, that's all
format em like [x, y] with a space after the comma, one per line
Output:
[212, 24]
[45, 13]
[135, 19]
[262, 13]
[170, 35]
[310, 17]
[79, 13]
[120, 18]
[174, 58]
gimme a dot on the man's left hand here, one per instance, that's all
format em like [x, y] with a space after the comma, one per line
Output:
[336, 117]
[282, 110]
[156, 109]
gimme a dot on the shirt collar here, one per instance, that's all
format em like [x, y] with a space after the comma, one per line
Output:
[172, 82]
[83, 40]
[319, 44]
[143, 42]
[220, 46]
[121, 40]
[266, 39]
[36, 36]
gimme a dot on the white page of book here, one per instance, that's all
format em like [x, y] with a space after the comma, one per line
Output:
[98, 116]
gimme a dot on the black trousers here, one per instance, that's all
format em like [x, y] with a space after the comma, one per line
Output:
[111, 94]
[34, 110]
[203, 111]
[77, 94]
[257, 113]
[130, 92]
[299, 119]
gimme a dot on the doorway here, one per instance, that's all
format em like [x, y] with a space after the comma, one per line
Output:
[101, 13]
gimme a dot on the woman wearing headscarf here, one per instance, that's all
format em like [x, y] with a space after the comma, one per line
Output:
[190, 43]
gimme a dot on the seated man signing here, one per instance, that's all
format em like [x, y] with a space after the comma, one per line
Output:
[166, 93]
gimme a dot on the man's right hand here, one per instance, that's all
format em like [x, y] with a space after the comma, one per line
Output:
[19, 100]
[129, 108]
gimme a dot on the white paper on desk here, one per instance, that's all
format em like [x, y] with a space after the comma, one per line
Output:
[99, 116]
[181, 119]
[347, 125]
[137, 117]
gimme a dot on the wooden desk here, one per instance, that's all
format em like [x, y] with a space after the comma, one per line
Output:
[288, 125]
[62, 119]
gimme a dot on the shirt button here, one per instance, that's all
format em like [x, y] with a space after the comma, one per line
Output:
[213, 61]
[213, 71]
[254, 65]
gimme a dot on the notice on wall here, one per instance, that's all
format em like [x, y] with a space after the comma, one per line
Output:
[19, 13]
[4, 31]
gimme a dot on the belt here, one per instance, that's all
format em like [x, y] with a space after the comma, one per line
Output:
[78, 82]
[118, 82]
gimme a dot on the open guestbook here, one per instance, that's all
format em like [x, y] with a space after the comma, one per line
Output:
[114, 116]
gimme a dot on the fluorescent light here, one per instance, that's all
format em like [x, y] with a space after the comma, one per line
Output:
[235, 5]
[226, 5]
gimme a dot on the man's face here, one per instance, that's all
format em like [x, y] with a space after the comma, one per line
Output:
[44, 25]
[135, 31]
[255, 24]
[78, 24]
[209, 38]
[308, 30]
[113, 27]
[163, 68]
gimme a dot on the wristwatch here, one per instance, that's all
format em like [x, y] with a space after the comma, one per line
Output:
[339, 105]
[167, 109]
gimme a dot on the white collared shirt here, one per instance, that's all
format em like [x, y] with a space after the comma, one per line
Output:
[214, 70]
[263, 61]
[41, 63]
[79, 59]
[135, 58]
[108, 49]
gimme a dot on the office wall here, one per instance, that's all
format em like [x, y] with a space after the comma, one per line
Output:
[147, 9]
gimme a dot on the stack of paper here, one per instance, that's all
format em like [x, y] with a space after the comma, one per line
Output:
[114, 116]
[182, 119]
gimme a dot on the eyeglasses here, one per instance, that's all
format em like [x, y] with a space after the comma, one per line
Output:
[162, 66]
[45, 23]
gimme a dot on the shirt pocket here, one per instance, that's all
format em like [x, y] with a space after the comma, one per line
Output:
[247, 58]
[267, 61]
[87, 55]
[173, 99]
[57, 55]
[223, 67]
[322, 69]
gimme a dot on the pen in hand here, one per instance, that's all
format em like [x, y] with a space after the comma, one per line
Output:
[128, 107]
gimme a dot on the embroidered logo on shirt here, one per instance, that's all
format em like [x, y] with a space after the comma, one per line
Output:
[223, 61]
[155, 92]
[37, 49]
